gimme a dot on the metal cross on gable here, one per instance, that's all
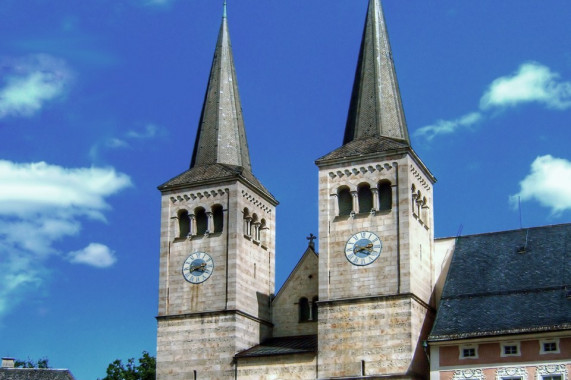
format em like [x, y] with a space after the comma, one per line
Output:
[311, 238]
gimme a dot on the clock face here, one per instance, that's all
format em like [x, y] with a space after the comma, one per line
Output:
[197, 267]
[363, 248]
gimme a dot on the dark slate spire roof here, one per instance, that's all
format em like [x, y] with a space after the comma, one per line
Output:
[376, 107]
[221, 150]
[221, 137]
[496, 279]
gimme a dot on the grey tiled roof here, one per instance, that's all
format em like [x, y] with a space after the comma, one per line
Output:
[215, 172]
[364, 146]
[506, 283]
[376, 106]
[35, 374]
[282, 346]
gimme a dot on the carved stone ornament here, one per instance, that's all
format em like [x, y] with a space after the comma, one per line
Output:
[511, 372]
[551, 369]
[475, 374]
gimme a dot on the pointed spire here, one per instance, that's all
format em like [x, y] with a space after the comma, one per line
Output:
[221, 137]
[376, 107]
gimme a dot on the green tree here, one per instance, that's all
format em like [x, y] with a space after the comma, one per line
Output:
[41, 363]
[145, 370]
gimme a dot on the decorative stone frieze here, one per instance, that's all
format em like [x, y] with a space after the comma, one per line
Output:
[361, 170]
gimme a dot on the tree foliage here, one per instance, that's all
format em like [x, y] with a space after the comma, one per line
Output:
[145, 370]
[41, 363]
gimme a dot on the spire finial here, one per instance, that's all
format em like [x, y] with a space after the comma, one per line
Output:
[224, 14]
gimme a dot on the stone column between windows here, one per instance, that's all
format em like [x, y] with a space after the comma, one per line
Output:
[210, 222]
[257, 231]
[375, 193]
[247, 223]
[355, 197]
[191, 225]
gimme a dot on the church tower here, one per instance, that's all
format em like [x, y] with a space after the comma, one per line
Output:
[217, 242]
[375, 229]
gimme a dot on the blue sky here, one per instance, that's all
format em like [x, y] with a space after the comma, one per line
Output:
[100, 101]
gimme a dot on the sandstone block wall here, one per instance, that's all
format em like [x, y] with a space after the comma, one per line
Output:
[285, 367]
[205, 344]
[376, 334]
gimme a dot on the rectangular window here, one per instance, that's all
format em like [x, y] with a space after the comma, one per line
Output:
[551, 377]
[549, 346]
[510, 349]
[468, 352]
[511, 378]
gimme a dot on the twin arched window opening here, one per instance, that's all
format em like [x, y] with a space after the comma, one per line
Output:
[200, 222]
[365, 199]
[308, 312]
[255, 228]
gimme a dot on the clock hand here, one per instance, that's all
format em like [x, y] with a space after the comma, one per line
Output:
[200, 267]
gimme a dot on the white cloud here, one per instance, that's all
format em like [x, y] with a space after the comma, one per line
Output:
[442, 127]
[532, 82]
[548, 183]
[150, 131]
[95, 254]
[130, 140]
[33, 188]
[28, 83]
[41, 204]
[158, 3]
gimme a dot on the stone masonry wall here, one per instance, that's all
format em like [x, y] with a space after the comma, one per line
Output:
[377, 332]
[284, 367]
[204, 343]
[303, 282]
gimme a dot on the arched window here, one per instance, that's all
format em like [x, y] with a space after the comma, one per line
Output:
[303, 309]
[314, 308]
[247, 220]
[365, 198]
[385, 196]
[183, 223]
[218, 218]
[345, 201]
[201, 220]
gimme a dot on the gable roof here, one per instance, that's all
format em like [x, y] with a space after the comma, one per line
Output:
[309, 252]
[495, 279]
[35, 374]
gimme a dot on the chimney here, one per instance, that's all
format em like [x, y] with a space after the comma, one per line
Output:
[7, 362]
